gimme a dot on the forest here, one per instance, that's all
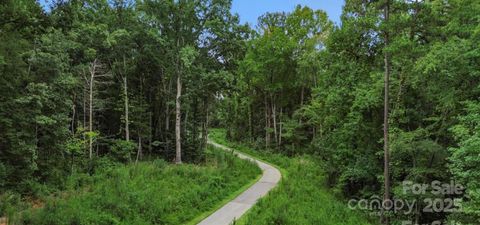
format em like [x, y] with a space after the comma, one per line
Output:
[108, 109]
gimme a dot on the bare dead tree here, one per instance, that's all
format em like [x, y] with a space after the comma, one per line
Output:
[96, 70]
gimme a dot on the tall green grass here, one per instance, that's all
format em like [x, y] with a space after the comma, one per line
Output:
[147, 193]
[301, 198]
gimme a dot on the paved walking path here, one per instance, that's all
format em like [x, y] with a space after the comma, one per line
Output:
[237, 207]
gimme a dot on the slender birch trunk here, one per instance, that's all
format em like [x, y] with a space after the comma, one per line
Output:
[90, 109]
[178, 147]
[274, 115]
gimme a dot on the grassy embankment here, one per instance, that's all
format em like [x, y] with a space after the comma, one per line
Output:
[148, 193]
[300, 198]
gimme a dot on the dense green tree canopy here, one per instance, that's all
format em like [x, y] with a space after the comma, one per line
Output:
[88, 82]
[313, 88]
[119, 60]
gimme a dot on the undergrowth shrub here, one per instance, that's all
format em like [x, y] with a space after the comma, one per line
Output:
[153, 192]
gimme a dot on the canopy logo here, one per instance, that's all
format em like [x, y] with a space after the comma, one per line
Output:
[434, 197]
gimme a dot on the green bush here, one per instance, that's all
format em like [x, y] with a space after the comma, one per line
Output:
[465, 163]
[10, 204]
[148, 193]
[123, 150]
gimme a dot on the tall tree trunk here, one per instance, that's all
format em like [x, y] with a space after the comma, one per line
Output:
[73, 114]
[90, 109]
[185, 123]
[178, 147]
[250, 129]
[127, 121]
[139, 151]
[36, 138]
[125, 93]
[274, 115]
[280, 128]
[150, 133]
[167, 118]
[167, 106]
[386, 174]
[205, 124]
[267, 123]
[84, 108]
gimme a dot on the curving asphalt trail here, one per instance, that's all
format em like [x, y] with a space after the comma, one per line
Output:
[242, 203]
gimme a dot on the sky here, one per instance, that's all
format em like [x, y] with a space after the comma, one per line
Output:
[250, 10]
